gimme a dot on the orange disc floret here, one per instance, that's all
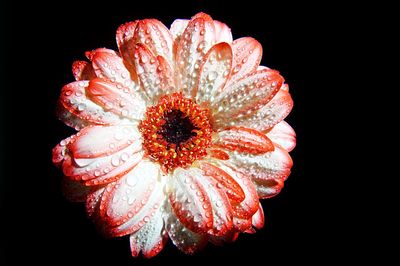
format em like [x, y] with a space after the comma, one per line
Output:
[176, 132]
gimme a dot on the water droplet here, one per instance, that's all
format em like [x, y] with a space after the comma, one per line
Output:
[152, 61]
[236, 69]
[124, 75]
[115, 161]
[97, 172]
[218, 203]
[78, 93]
[131, 180]
[81, 107]
[68, 93]
[212, 75]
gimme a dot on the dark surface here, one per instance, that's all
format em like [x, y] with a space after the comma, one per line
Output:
[42, 40]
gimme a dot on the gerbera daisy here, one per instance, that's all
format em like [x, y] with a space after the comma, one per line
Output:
[180, 133]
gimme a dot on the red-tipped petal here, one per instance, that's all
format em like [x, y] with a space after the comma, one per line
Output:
[246, 96]
[108, 65]
[154, 72]
[126, 44]
[270, 114]
[178, 27]
[156, 37]
[93, 200]
[225, 182]
[126, 198]
[222, 32]
[183, 238]
[247, 54]
[98, 141]
[73, 98]
[284, 135]
[214, 72]
[258, 218]
[219, 154]
[268, 171]
[244, 140]
[194, 43]
[221, 207]
[189, 200]
[150, 239]
[115, 98]
[249, 206]
[83, 70]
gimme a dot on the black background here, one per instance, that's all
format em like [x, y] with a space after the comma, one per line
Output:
[42, 40]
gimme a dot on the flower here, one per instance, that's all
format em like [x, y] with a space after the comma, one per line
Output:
[180, 134]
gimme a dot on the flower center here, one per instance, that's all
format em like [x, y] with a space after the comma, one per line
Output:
[176, 132]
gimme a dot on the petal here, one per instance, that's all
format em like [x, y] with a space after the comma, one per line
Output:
[270, 114]
[249, 206]
[127, 161]
[214, 72]
[189, 200]
[93, 200]
[284, 135]
[258, 218]
[227, 238]
[60, 151]
[242, 225]
[222, 32]
[69, 118]
[74, 191]
[108, 65]
[221, 207]
[73, 98]
[219, 154]
[126, 45]
[243, 139]
[83, 70]
[116, 98]
[247, 54]
[197, 39]
[98, 141]
[141, 210]
[225, 182]
[246, 96]
[150, 239]
[268, 171]
[126, 197]
[156, 37]
[178, 27]
[184, 239]
[154, 72]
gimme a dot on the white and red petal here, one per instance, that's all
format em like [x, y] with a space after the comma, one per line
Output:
[245, 209]
[95, 141]
[244, 140]
[284, 135]
[258, 218]
[270, 114]
[227, 238]
[268, 171]
[73, 98]
[104, 169]
[125, 198]
[178, 27]
[222, 32]
[108, 65]
[156, 37]
[60, 151]
[126, 45]
[115, 98]
[151, 238]
[83, 70]
[246, 96]
[184, 239]
[214, 72]
[70, 119]
[154, 72]
[93, 200]
[195, 42]
[189, 200]
[224, 181]
[221, 207]
[247, 54]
